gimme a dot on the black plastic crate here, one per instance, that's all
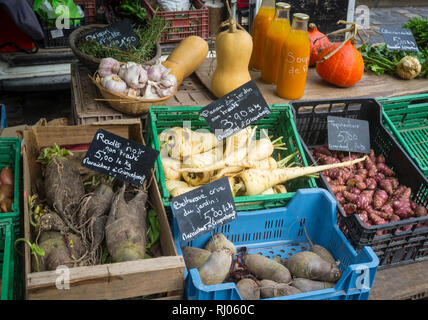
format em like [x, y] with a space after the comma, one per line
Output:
[394, 247]
[58, 38]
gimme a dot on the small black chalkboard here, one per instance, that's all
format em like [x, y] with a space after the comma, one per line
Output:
[236, 110]
[120, 34]
[118, 157]
[204, 209]
[399, 39]
[345, 134]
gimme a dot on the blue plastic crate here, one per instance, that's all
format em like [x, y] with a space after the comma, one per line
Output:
[280, 232]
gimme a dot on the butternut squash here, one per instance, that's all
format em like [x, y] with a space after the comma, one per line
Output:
[233, 51]
[187, 57]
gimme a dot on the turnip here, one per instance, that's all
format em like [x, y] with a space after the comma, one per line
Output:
[93, 213]
[255, 181]
[309, 265]
[265, 268]
[60, 249]
[272, 289]
[194, 257]
[319, 250]
[216, 268]
[306, 285]
[125, 229]
[248, 289]
[63, 184]
[219, 241]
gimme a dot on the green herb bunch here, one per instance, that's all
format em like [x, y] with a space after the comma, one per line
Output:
[148, 35]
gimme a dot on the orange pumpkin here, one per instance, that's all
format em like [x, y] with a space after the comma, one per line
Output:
[344, 68]
[318, 42]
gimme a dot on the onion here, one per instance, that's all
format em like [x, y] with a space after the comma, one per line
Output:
[6, 205]
[6, 191]
[6, 176]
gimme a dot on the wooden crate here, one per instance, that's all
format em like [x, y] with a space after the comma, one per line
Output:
[109, 281]
[86, 110]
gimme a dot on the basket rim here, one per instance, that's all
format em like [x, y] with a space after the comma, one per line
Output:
[77, 34]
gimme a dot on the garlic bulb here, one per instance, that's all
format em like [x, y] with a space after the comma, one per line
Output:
[157, 71]
[133, 92]
[114, 83]
[169, 80]
[108, 66]
[150, 92]
[135, 77]
[124, 67]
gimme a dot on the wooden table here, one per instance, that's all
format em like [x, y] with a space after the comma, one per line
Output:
[370, 85]
[401, 283]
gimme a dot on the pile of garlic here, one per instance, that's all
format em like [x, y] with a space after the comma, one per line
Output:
[136, 80]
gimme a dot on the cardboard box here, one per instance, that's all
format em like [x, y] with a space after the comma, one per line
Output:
[108, 281]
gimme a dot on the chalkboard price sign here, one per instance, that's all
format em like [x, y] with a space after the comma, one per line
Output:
[399, 39]
[345, 134]
[236, 110]
[120, 34]
[203, 209]
[118, 157]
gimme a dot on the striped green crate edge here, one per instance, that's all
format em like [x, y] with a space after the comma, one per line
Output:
[14, 143]
[244, 203]
[7, 260]
[394, 113]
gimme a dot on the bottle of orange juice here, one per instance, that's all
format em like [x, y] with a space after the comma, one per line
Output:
[295, 55]
[275, 38]
[261, 24]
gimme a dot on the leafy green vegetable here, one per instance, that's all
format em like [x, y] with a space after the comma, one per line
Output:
[419, 28]
[154, 229]
[148, 35]
[380, 60]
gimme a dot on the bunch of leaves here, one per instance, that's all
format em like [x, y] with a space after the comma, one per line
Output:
[419, 28]
[380, 60]
[49, 152]
[148, 35]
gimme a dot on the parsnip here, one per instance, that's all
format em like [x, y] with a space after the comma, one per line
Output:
[255, 181]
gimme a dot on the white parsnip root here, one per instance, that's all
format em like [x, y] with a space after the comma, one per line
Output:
[199, 158]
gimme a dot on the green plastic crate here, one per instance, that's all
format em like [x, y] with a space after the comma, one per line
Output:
[7, 255]
[279, 123]
[407, 119]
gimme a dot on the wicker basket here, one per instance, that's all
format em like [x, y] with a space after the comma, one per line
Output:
[90, 62]
[125, 104]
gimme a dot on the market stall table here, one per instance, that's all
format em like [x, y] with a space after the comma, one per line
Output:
[370, 85]
[194, 91]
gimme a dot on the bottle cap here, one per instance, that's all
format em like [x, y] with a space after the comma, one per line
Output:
[282, 5]
[301, 16]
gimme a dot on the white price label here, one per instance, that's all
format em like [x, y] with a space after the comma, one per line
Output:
[57, 33]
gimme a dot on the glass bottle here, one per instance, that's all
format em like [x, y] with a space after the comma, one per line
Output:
[295, 55]
[261, 24]
[275, 38]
